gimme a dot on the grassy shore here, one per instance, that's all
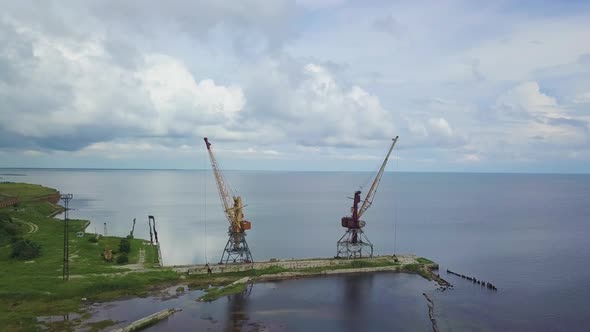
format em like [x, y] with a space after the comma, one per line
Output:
[33, 288]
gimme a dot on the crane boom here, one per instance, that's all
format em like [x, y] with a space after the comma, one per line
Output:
[371, 194]
[221, 186]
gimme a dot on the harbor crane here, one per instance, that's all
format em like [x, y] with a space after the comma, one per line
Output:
[354, 243]
[236, 250]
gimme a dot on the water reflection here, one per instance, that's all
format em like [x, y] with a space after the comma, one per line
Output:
[336, 303]
[357, 289]
[238, 310]
[59, 322]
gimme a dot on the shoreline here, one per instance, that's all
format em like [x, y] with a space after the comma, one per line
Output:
[30, 289]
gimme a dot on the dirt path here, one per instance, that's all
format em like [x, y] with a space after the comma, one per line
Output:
[32, 227]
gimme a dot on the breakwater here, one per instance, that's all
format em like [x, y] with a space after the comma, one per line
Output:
[489, 285]
[430, 305]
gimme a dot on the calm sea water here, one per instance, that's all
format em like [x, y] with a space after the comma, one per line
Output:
[528, 234]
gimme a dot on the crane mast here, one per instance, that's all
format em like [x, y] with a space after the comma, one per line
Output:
[236, 249]
[354, 241]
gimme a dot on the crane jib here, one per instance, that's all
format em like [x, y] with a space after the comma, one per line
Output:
[232, 206]
[369, 198]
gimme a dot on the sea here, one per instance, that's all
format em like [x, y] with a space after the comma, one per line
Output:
[528, 234]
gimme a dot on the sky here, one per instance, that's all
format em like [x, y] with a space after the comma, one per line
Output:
[468, 86]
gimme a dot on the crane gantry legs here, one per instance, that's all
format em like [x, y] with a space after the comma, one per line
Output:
[349, 248]
[236, 250]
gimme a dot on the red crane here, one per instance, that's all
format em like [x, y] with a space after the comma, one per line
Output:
[354, 242]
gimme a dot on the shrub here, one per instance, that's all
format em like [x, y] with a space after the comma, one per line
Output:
[8, 228]
[125, 246]
[25, 249]
[93, 239]
[122, 259]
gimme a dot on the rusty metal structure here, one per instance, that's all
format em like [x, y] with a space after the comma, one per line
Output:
[354, 243]
[236, 250]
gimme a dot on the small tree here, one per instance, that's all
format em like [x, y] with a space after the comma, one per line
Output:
[25, 249]
[125, 246]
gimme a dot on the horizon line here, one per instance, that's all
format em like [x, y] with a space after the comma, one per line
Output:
[301, 171]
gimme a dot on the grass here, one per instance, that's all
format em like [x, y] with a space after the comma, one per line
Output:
[215, 293]
[29, 289]
[419, 269]
[101, 325]
[151, 255]
[355, 264]
[205, 281]
[25, 191]
[423, 260]
[51, 296]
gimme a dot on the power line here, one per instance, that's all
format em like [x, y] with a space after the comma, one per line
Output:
[66, 259]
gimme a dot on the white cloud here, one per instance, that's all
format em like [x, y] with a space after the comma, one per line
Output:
[182, 104]
[326, 113]
[457, 83]
[527, 98]
[531, 45]
[535, 118]
[440, 127]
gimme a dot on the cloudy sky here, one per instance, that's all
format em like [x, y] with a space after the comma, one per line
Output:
[495, 86]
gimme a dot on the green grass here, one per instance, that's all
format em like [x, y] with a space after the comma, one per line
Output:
[25, 191]
[355, 264]
[419, 269]
[151, 255]
[205, 281]
[34, 288]
[213, 294]
[41, 296]
[101, 325]
[423, 260]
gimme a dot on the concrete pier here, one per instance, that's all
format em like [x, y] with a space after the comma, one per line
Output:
[294, 264]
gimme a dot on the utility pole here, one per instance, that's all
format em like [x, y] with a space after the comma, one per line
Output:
[66, 264]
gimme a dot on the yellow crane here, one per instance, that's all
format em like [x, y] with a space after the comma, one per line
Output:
[236, 250]
[354, 241]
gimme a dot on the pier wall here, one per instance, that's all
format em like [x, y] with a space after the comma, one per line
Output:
[287, 264]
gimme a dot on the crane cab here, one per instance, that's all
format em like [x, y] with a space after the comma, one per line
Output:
[348, 222]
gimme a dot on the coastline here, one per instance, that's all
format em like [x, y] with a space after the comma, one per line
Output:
[33, 289]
